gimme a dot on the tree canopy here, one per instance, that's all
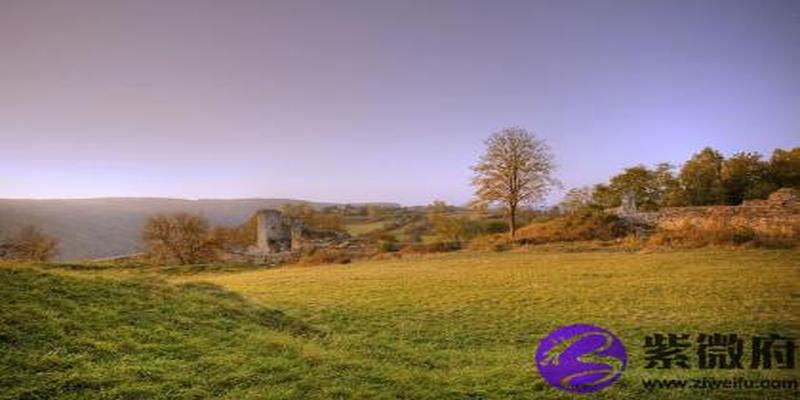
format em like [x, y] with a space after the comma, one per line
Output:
[515, 170]
[707, 178]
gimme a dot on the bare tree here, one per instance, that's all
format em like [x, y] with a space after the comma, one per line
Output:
[515, 170]
[29, 244]
[181, 237]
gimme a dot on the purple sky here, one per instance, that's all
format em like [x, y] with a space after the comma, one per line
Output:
[377, 100]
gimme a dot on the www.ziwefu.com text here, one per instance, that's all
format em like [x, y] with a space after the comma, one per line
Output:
[717, 383]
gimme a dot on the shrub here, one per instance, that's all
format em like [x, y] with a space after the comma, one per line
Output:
[329, 219]
[586, 224]
[719, 231]
[742, 235]
[232, 239]
[415, 231]
[497, 242]
[387, 243]
[327, 256]
[29, 244]
[426, 248]
[454, 228]
[328, 222]
[491, 226]
[633, 241]
[180, 238]
[777, 241]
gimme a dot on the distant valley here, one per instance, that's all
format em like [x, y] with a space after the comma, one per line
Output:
[106, 227]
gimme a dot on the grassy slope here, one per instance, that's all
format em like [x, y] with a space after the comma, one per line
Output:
[90, 337]
[462, 325]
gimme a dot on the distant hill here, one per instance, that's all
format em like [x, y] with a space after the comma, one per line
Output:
[105, 227]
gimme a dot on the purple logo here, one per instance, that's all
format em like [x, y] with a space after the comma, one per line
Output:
[581, 358]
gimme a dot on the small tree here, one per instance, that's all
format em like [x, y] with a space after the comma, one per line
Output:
[516, 169]
[302, 211]
[652, 188]
[328, 222]
[233, 239]
[329, 219]
[181, 238]
[576, 199]
[438, 207]
[29, 244]
[450, 228]
[455, 228]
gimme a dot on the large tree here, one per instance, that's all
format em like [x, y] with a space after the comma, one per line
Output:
[701, 178]
[515, 170]
[652, 188]
[746, 176]
[785, 167]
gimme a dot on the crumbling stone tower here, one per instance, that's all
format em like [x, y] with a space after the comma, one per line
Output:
[273, 232]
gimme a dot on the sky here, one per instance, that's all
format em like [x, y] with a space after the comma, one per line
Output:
[354, 101]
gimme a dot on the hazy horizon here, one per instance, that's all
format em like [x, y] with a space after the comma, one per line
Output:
[356, 101]
[201, 199]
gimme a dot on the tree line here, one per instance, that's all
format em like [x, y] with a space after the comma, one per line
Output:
[707, 178]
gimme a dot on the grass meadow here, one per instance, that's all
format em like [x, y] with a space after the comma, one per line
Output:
[463, 325]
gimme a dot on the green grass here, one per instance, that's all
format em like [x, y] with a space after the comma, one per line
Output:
[455, 326]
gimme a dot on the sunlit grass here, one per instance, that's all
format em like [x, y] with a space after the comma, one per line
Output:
[461, 325]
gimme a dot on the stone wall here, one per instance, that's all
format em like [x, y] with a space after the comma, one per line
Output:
[780, 213]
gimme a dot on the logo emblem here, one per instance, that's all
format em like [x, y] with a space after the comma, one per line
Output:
[581, 358]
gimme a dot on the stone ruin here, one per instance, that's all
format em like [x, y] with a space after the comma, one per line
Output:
[275, 232]
[780, 212]
[280, 237]
[628, 206]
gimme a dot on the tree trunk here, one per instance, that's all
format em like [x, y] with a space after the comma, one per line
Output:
[512, 221]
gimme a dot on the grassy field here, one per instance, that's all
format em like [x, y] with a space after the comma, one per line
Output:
[454, 326]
